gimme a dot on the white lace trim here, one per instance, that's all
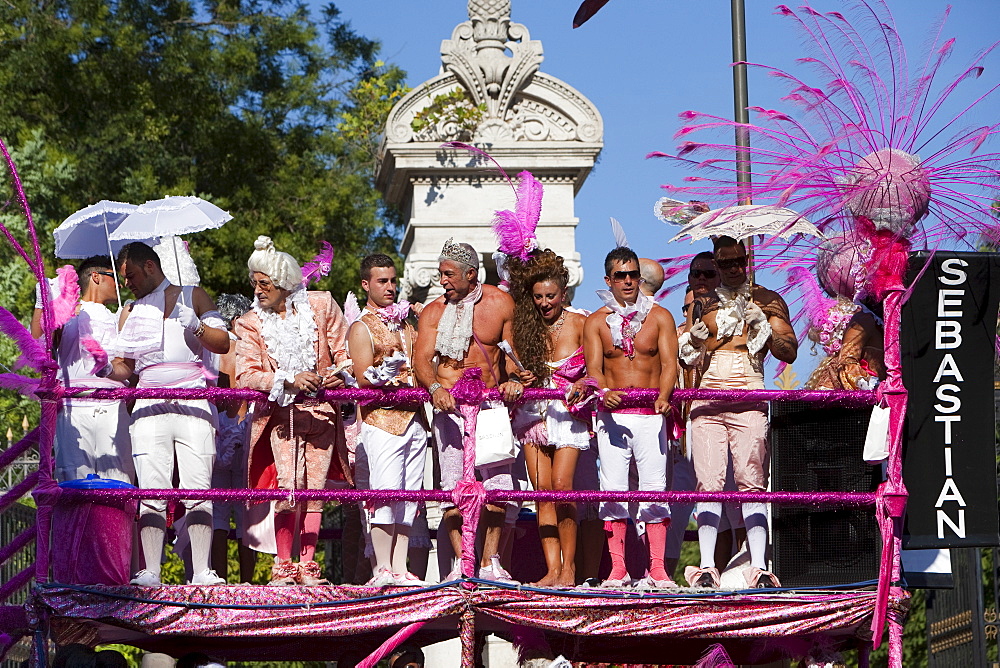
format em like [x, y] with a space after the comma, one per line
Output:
[643, 305]
[455, 327]
[291, 341]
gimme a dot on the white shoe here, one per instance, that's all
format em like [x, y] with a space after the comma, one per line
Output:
[624, 583]
[496, 573]
[383, 578]
[410, 580]
[207, 577]
[145, 578]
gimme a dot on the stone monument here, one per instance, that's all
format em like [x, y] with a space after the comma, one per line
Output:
[489, 93]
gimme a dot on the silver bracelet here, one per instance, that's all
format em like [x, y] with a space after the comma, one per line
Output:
[434, 388]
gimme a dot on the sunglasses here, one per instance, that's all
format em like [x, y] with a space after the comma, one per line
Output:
[736, 262]
[105, 273]
[704, 273]
[620, 276]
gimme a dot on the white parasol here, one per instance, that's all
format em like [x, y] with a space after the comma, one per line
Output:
[171, 216]
[744, 221]
[87, 232]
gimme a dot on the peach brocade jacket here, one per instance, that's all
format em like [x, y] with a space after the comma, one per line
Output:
[255, 370]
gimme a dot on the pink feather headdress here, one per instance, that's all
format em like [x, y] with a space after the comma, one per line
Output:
[319, 266]
[515, 230]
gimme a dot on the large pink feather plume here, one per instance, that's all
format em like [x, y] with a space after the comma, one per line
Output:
[319, 266]
[32, 352]
[100, 356]
[515, 230]
[68, 297]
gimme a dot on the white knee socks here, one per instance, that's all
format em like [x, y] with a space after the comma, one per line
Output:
[709, 514]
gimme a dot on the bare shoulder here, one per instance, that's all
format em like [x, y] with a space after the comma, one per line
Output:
[431, 313]
[770, 302]
[575, 319]
[663, 317]
[496, 297]
[597, 318]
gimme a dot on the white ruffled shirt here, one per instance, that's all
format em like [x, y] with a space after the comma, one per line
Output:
[729, 320]
[291, 341]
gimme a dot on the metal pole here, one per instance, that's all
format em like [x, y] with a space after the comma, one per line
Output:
[741, 115]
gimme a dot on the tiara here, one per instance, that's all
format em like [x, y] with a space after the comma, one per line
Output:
[458, 253]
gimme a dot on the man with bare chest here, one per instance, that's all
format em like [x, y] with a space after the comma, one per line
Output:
[735, 329]
[461, 330]
[632, 343]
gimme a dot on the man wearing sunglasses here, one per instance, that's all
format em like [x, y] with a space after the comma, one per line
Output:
[735, 329]
[91, 434]
[632, 343]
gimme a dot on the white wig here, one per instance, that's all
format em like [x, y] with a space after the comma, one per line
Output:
[280, 267]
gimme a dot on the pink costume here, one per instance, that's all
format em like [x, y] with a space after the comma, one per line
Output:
[556, 423]
[723, 429]
[292, 445]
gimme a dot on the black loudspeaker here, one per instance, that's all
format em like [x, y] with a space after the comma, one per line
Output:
[816, 448]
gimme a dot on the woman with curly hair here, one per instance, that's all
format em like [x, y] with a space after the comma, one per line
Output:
[548, 340]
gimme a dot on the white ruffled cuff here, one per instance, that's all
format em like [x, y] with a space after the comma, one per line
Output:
[379, 375]
[688, 353]
[278, 393]
[758, 337]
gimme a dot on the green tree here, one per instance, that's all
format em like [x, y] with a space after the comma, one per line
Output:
[257, 105]
[238, 101]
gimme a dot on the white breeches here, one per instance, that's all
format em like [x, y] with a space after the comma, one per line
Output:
[167, 431]
[92, 437]
[394, 462]
[620, 437]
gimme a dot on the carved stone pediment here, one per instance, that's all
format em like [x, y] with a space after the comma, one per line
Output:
[496, 63]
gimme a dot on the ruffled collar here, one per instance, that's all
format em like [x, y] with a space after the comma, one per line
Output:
[291, 341]
[730, 317]
[393, 315]
[626, 321]
[455, 326]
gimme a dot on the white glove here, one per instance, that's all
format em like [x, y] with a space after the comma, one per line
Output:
[395, 362]
[188, 318]
[387, 370]
[699, 333]
[105, 370]
[753, 315]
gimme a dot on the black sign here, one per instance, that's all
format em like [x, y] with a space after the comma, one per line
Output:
[948, 346]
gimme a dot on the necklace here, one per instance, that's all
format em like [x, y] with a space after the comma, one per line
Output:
[555, 329]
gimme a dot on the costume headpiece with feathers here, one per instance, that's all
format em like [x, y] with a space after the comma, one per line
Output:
[515, 230]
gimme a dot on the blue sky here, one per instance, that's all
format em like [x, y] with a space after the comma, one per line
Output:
[642, 62]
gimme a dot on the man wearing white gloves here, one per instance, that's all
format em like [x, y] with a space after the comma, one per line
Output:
[163, 336]
[730, 333]
[393, 438]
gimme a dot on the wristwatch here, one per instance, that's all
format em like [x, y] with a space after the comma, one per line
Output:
[434, 388]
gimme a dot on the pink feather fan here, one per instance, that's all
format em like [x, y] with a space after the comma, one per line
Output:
[68, 297]
[319, 266]
[100, 356]
[515, 230]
